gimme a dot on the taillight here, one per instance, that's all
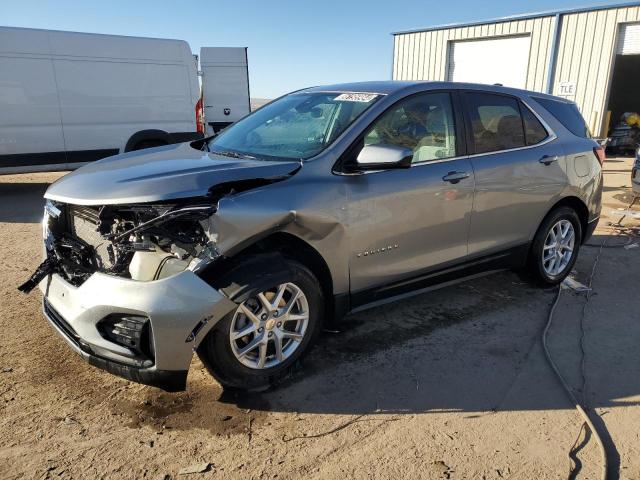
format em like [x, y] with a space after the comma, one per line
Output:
[199, 117]
[600, 155]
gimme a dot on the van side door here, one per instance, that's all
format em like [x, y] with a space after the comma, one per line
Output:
[30, 122]
[519, 167]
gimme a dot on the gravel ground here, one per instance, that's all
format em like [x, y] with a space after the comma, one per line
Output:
[448, 384]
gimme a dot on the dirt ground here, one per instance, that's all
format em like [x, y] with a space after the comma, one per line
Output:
[448, 384]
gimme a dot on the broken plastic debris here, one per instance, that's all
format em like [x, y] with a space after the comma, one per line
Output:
[627, 212]
[573, 284]
[197, 468]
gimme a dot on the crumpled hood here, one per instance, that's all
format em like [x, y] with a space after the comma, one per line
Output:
[157, 174]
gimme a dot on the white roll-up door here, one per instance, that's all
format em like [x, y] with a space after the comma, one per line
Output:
[629, 39]
[496, 60]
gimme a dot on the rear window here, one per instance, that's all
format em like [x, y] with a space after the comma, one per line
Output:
[567, 114]
[495, 121]
[534, 132]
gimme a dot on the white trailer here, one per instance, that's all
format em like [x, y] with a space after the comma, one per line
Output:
[69, 98]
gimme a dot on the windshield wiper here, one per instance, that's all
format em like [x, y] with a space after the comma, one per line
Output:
[232, 154]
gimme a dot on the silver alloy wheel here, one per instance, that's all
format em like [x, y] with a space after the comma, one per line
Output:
[558, 248]
[268, 328]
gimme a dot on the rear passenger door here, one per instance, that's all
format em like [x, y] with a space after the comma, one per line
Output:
[517, 163]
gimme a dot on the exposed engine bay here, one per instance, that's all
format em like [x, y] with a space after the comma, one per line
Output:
[141, 242]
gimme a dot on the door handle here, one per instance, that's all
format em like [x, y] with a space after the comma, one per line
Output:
[548, 159]
[455, 177]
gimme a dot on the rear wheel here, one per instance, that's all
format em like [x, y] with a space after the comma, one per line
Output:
[555, 247]
[257, 345]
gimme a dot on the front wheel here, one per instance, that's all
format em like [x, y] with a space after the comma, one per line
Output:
[555, 247]
[257, 345]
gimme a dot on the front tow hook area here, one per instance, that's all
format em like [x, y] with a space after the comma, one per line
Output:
[45, 269]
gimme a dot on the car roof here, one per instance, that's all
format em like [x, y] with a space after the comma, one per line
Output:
[388, 87]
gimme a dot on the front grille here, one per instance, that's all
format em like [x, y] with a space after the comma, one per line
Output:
[84, 226]
[90, 214]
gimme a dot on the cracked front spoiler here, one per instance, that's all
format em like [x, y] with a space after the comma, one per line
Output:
[181, 310]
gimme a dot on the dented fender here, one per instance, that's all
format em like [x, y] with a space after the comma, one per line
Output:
[314, 217]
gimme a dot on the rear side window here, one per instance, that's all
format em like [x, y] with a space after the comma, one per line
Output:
[567, 114]
[495, 122]
[534, 132]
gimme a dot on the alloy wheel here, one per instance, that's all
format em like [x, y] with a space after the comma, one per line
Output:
[558, 248]
[268, 328]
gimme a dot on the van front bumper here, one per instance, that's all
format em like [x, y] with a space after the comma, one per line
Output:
[179, 311]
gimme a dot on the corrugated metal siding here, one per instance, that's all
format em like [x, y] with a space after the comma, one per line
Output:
[585, 57]
[423, 55]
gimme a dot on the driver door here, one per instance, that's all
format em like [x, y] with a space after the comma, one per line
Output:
[408, 222]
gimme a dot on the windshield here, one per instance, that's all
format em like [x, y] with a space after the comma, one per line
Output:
[299, 125]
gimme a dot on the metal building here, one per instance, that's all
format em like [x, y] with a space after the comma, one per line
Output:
[588, 55]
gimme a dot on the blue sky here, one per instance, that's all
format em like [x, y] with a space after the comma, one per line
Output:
[292, 44]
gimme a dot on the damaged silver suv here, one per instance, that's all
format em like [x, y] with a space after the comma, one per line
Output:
[326, 201]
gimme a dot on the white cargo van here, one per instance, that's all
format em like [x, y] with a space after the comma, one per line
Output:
[68, 98]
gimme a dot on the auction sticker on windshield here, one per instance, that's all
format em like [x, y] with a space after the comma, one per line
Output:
[355, 97]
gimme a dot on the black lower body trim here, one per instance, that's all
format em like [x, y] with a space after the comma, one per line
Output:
[591, 226]
[54, 158]
[512, 258]
[217, 126]
[168, 380]
[181, 137]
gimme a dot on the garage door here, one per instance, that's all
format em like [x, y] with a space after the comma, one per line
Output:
[629, 39]
[497, 60]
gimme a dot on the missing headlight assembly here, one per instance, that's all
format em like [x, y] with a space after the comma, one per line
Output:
[141, 242]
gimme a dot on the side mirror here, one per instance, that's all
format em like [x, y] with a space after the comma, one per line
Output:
[383, 157]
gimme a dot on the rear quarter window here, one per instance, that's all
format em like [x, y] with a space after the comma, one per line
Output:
[567, 114]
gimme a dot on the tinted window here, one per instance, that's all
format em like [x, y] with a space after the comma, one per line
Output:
[495, 122]
[534, 132]
[568, 115]
[423, 123]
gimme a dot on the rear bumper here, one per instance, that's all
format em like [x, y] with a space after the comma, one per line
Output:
[591, 226]
[181, 310]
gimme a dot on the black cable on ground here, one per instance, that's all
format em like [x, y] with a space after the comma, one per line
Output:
[617, 245]
[633, 202]
[581, 410]
[621, 231]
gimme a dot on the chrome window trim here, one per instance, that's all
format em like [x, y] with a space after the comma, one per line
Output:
[551, 136]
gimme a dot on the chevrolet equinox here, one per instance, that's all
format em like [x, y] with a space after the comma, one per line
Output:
[326, 201]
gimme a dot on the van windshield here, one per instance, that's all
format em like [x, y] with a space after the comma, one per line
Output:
[299, 125]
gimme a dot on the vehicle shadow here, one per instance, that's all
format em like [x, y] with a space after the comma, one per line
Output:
[475, 347]
[21, 202]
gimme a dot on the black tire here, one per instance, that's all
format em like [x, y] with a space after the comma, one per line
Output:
[215, 350]
[535, 265]
[148, 144]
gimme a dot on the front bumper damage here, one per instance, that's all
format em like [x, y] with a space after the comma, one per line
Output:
[180, 310]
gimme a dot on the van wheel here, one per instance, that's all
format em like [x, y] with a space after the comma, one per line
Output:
[257, 345]
[148, 144]
[555, 247]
